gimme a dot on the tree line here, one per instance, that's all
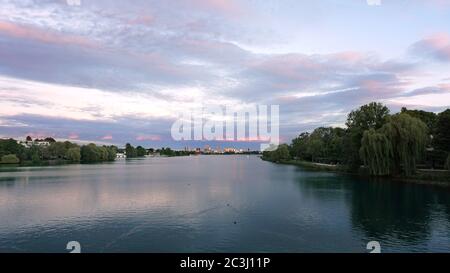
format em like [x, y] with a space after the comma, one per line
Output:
[12, 152]
[385, 144]
[139, 151]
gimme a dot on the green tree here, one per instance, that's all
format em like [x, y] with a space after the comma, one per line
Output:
[50, 140]
[57, 150]
[315, 145]
[90, 153]
[73, 154]
[167, 152]
[441, 140]
[376, 152]
[408, 137]
[299, 146]
[130, 151]
[141, 151]
[429, 118]
[10, 146]
[112, 152]
[283, 152]
[396, 146]
[10, 159]
[279, 154]
[35, 159]
[370, 116]
[103, 153]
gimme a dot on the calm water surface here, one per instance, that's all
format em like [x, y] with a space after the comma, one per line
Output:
[215, 204]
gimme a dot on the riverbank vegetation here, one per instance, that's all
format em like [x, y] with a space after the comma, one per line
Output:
[377, 143]
[49, 151]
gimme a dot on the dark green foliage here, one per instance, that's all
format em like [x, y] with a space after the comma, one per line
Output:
[408, 137]
[281, 153]
[92, 153]
[369, 116]
[130, 151]
[89, 153]
[57, 150]
[10, 159]
[376, 152]
[385, 144]
[36, 159]
[141, 151]
[429, 118]
[167, 152]
[50, 139]
[10, 146]
[112, 153]
[73, 154]
[299, 146]
[397, 146]
[325, 145]
[441, 140]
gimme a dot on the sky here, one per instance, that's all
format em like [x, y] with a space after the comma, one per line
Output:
[116, 71]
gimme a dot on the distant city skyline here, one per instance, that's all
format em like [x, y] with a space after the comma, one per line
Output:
[121, 71]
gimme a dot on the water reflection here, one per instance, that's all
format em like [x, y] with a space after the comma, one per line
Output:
[220, 203]
[403, 216]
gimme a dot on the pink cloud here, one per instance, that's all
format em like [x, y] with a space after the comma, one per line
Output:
[148, 138]
[74, 136]
[142, 20]
[349, 56]
[445, 86]
[289, 66]
[30, 32]
[107, 137]
[227, 7]
[436, 46]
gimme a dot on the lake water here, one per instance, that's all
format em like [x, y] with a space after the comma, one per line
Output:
[215, 204]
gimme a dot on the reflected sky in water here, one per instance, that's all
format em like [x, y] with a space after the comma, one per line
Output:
[215, 204]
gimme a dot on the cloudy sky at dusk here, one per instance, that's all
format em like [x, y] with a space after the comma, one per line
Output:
[118, 71]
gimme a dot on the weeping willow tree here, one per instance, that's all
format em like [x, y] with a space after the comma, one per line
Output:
[408, 138]
[376, 152]
[395, 146]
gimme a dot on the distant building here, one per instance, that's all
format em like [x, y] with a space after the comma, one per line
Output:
[207, 149]
[229, 150]
[121, 155]
[28, 143]
[41, 143]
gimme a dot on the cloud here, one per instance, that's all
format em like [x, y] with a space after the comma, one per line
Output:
[107, 137]
[73, 136]
[45, 36]
[435, 47]
[122, 71]
[226, 7]
[148, 138]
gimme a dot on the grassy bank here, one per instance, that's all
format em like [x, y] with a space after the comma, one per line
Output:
[427, 177]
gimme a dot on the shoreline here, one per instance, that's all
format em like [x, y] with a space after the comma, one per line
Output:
[439, 178]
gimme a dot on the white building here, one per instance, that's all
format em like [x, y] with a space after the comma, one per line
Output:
[28, 144]
[121, 155]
